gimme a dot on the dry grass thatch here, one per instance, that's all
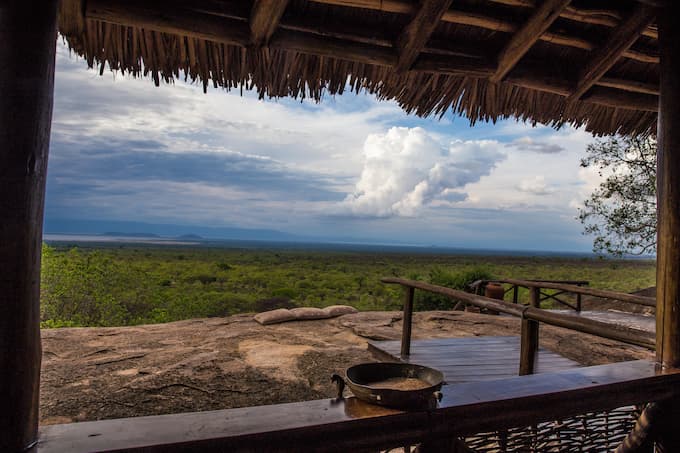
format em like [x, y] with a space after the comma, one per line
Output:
[318, 48]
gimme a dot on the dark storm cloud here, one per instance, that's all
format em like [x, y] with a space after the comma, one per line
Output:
[98, 164]
[110, 146]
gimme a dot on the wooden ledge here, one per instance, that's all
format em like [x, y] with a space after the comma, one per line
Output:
[330, 425]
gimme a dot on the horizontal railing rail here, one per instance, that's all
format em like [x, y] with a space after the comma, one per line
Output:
[531, 316]
[348, 425]
[479, 285]
[586, 291]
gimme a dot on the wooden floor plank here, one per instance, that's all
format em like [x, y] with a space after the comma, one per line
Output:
[473, 359]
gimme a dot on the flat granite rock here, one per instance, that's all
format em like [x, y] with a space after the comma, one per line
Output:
[219, 363]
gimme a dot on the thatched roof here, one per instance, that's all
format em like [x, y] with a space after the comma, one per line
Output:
[592, 63]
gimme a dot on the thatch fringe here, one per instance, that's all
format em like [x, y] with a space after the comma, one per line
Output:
[278, 73]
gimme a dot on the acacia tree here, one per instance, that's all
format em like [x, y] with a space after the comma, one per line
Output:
[621, 212]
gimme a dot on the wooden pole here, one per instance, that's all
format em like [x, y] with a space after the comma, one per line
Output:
[668, 192]
[407, 321]
[28, 36]
[529, 341]
[668, 212]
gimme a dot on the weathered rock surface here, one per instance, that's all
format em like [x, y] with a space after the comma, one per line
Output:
[217, 363]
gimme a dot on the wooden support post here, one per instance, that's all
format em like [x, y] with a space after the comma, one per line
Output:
[407, 321]
[529, 340]
[668, 211]
[28, 36]
[578, 303]
[668, 193]
[515, 294]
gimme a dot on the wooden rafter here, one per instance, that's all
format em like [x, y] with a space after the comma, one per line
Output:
[526, 36]
[596, 16]
[629, 85]
[414, 36]
[73, 17]
[607, 18]
[264, 18]
[194, 24]
[436, 44]
[456, 16]
[608, 54]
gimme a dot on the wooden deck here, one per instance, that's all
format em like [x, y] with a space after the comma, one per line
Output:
[471, 359]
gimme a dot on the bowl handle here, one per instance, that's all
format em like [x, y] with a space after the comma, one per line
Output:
[340, 382]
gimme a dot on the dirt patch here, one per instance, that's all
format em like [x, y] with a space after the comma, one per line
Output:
[218, 363]
[275, 359]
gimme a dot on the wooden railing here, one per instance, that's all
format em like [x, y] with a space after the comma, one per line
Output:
[577, 288]
[479, 285]
[349, 425]
[531, 315]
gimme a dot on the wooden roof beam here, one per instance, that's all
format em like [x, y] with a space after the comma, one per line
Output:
[607, 55]
[526, 36]
[416, 34]
[72, 17]
[604, 17]
[472, 19]
[231, 32]
[596, 16]
[264, 18]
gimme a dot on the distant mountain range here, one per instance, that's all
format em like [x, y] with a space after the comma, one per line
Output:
[154, 230]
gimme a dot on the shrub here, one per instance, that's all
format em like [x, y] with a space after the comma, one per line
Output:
[288, 293]
[57, 323]
[273, 303]
[203, 278]
[458, 280]
[224, 266]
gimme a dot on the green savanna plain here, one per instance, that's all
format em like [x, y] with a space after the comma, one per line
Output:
[130, 284]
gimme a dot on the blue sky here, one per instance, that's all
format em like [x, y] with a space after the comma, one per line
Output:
[349, 167]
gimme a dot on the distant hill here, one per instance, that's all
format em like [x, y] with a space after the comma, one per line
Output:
[190, 236]
[141, 229]
[130, 235]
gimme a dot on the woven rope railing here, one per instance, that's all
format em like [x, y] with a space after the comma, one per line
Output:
[592, 432]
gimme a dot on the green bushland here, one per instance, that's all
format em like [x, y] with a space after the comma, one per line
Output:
[459, 279]
[133, 284]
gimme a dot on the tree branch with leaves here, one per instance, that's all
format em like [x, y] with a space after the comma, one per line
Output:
[621, 211]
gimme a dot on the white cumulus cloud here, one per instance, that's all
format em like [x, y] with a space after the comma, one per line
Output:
[407, 168]
[535, 185]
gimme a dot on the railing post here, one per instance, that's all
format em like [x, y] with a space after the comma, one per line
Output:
[515, 294]
[407, 321]
[529, 340]
[578, 303]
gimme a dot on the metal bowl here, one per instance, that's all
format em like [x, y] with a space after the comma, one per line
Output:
[360, 380]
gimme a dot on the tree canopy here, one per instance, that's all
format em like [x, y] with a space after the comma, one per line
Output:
[621, 211]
